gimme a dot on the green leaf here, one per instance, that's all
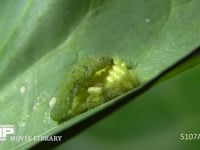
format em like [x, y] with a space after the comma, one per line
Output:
[41, 40]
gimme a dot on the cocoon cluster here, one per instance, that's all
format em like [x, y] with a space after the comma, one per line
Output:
[90, 83]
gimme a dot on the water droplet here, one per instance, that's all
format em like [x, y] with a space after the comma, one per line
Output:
[35, 107]
[22, 124]
[46, 119]
[38, 97]
[147, 20]
[52, 102]
[22, 89]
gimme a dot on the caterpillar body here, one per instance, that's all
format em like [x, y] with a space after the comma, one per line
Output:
[91, 83]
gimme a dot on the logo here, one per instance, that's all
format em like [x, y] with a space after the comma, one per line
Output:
[6, 130]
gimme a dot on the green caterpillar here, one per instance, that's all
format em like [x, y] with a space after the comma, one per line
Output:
[91, 83]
